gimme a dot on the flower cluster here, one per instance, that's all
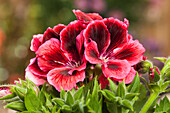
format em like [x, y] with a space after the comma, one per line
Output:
[63, 52]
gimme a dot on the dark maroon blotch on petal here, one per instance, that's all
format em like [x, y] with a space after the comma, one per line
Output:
[68, 39]
[97, 31]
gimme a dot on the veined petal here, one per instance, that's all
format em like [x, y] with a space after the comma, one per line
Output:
[52, 52]
[36, 42]
[129, 78]
[68, 38]
[97, 31]
[47, 65]
[118, 32]
[132, 52]
[92, 53]
[58, 28]
[34, 78]
[87, 16]
[94, 16]
[117, 69]
[50, 33]
[59, 77]
[80, 44]
[35, 69]
[103, 81]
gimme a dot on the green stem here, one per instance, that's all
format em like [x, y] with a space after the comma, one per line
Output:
[149, 102]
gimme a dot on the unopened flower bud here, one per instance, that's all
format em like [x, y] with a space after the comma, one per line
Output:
[143, 66]
[154, 74]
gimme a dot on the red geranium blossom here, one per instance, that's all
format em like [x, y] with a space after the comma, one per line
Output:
[59, 56]
[107, 42]
[61, 52]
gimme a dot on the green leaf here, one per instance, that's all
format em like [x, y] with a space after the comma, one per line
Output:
[9, 96]
[49, 103]
[112, 107]
[69, 98]
[130, 96]
[66, 108]
[127, 104]
[168, 74]
[166, 66]
[16, 105]
[100, 105]
[142, 98]
[62, 94]
[44, 110]
[81, 107]
[59, 111]
[12, 100]
[121, 90]
[19, 92]
[135, 85]
[42, 96]
[155, 88]
[31, 101]
[23, 83]
[110, 96]
[113, 86]
[165, 85]
[87, 98]
[164, 106]
[78, 93]
[54, 109]
[58, 101]
[94, 102]
[95, 90]
[162, 59]
[28, 112]
[75, 106]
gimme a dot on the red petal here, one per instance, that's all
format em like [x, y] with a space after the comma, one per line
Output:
[68, 38]
[129, 78]
[50, 33]
[118, 32]
[59, 77]
[36, 42]
[92, 53]
[103, 81]
[132, 52]
[46, 65]
[87, 16]
[82, 16]
[94, 16]
[97, 31]
[80, 68]
[80, 44]
[35, 69]
[58, 28]
[117, 69]
[34, 78]
[52, 52]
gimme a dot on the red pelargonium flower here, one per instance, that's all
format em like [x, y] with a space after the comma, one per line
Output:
[59, 59]
[61, 52]
[107, 42]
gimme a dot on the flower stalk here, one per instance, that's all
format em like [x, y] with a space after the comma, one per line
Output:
[149, 102]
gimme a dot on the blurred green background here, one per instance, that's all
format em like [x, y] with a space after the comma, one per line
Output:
[21, 19]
